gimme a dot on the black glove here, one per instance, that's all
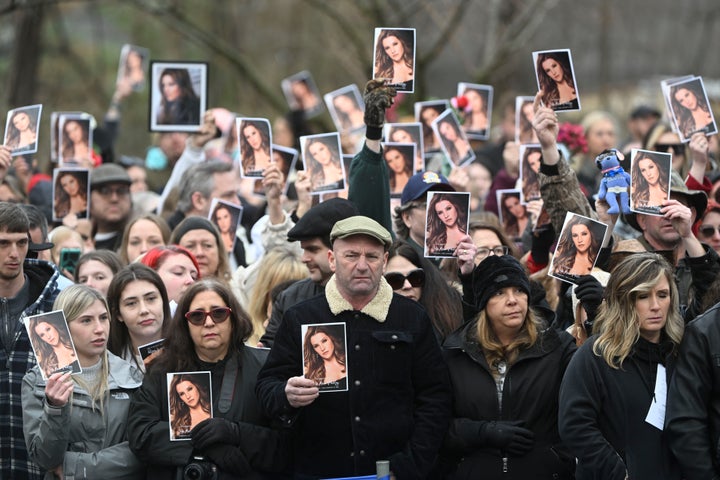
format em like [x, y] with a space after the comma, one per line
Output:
[590, 293]
[542, 240]
[228, 458]
[214, 430]
[378, 97]
[508, 436]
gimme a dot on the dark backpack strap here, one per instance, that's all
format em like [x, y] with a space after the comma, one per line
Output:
[228, 385]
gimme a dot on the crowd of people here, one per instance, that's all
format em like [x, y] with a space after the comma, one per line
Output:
[320, 337]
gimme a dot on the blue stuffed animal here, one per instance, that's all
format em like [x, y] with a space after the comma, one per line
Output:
[615, 182]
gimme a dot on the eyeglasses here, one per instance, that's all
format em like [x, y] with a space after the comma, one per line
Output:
[107, 191]
[708, 230]
[397, 280]
[217, 315]
[678, 148]
[483, 252]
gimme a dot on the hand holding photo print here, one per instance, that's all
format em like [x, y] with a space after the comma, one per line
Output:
[556, 79]
[322, 158]
[446, 219]
[324, 348]
[52, 343]
[21, 129]
[649, 180]
[132, 68]
[577, 248]
[690, 108]
[189, 402]
[255, 144]
[394, 58]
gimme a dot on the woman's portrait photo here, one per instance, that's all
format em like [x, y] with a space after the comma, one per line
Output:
[71, 191]
[301, 93]
[425, 114]
[395, 57]
[530, 158]
[524, 116]
[285, 158]
[255, 140]
[347, 160]
[178, 96]
[649, 180]
[324, 361]
[132, 68]
[477, 115]
[399, 158]
[21, 129]
[690, 108]
[407, 133]
[226, 217]
[75, 141]
[322, 159]
[346, 108]
[513, 215]
[577, 247]
[51, 341]
[453, 140]
[446, 221]
[556, 79]
[189, 402]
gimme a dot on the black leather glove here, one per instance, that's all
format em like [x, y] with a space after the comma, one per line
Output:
[228, 458]
[508, 436]
[590, 293]
[542, 240]
[213, 431]
[378, 98]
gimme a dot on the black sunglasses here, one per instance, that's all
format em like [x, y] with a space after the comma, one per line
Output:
[708, 230]
[397, 280]
[678, 148]
[217, 314]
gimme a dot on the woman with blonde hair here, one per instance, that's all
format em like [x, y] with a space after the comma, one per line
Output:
[611, 409]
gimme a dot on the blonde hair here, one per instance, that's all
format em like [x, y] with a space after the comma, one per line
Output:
[59, 235]
[74, 301]
[617, 322]
[494, 350]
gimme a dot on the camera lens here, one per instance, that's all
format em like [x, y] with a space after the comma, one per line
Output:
[193, 472]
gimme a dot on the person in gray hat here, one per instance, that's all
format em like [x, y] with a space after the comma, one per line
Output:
[395, 404]
[110, 204]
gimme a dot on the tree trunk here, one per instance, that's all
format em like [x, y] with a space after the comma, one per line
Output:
[26, 54]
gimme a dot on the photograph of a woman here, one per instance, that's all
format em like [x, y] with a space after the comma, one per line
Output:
[524, 115]
[395, 57]
[407, 133]
[226, 217]
[479, 111]
[132, 68]
[346, 108]
[21, 129]
[691, 109]
[529, 169]
[513, 214]
[447, 222]
[52, 344]
[178, 97]
[425, 114]
[577, 248]
[255, 145]
[71, 192]
[649, 180]
[301, 93]
[399, 159]
[324, 348]
[323, 161]
[190, 402]
[452, 139]
[76, 141]
[554, 71]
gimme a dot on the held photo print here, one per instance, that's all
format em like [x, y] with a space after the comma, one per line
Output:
[577, 247]
[649, 180]
[286, 159]
[425, 113]
[690, 108]
[324, 347]
[453, 140]
[21, 130]
[347, 160]
[75, 140]
[530, 160]
[189, 402]
[513, 214]
[524, 115]
[149, 351]
[347, 108]
[407, 133]
[322, 159]
[301, 93]
[178, 96]
[556, 78]
[665, 88]
[478, 112]
[55, 135]
[52, 344]
[399, 158]
[255, 145]
[133, 66]
[226, 216]
[446, 222]
[71, 193]
[394, 57]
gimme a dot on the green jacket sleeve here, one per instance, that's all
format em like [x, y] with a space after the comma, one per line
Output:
[369, 187]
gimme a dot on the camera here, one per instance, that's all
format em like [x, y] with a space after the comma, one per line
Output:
[200, 469]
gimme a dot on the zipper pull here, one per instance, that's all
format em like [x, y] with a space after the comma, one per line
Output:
[504, 464]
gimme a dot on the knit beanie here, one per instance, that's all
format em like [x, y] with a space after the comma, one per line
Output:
[193, 223]
[495, 273]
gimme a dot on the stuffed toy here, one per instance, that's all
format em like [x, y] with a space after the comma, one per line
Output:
[615, 182]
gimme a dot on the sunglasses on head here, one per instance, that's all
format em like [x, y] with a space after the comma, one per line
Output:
[708, 230]
[397, 280]
[678, 148]
[217, 314]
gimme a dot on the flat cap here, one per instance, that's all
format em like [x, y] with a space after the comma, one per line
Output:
[361, 225]
[319, 220]
[108, 173]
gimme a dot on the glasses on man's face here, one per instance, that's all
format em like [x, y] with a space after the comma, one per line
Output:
[677, 148]
[108, 191]
[483, 252]
[217, 315]
[397, 280]
[708, 230]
